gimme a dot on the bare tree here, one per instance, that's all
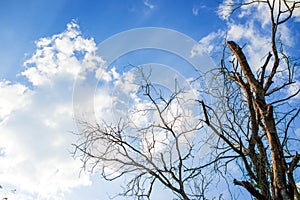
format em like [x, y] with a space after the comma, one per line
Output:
[250, 123]
[165, 148]
[254, 117]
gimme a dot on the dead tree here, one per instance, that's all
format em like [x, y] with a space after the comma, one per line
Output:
[254, 115]
[164, 149]
[251, 116]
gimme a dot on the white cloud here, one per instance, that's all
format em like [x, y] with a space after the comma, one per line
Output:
[107, 75]
[297, 19]
[245, 11]
[16, 96]
[195, 11]
[197, 51]
[253, 34]
[262, 14]
[148, 4]
[237, 31]
[57, 55]
[286, 36]
[292, 89]
[35, 139]
[209, 42]
[225, 9]
[197, 8]
[256, 42]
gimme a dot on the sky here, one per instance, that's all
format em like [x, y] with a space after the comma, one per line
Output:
[45, 48]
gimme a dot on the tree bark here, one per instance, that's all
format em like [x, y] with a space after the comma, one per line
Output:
[266, 111]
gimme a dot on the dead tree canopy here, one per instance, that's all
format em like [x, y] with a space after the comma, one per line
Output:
[169, 148]
[255, 117]
[249, 125]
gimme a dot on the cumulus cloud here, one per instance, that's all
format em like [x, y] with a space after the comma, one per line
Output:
[35, 122]
[60, 55]
[16, 96]
[35, 139]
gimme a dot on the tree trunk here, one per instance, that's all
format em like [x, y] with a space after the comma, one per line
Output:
[266, 111]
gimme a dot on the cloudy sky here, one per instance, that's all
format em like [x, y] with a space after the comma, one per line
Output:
[44, 45]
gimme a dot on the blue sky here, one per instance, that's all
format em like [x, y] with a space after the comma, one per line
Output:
[43, 46]
[25, 22]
